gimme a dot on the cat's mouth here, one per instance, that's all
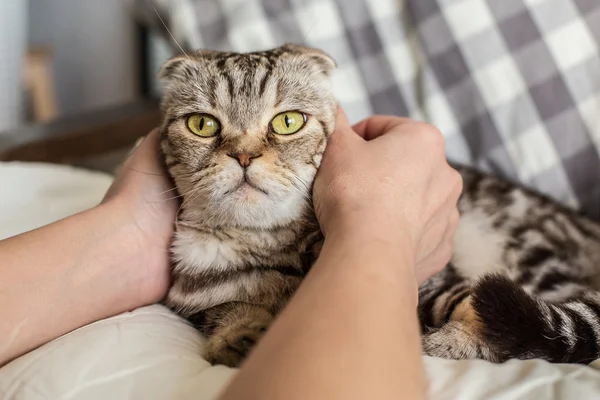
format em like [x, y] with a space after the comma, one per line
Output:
[246, 182]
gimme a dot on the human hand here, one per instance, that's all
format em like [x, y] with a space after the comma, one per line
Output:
[389, 176]
[143, 198]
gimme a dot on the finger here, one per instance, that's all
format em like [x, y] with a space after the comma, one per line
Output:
[446, 185]
[343, 130]
[438, 224]
[358, 127]
[431, 266]
[434, 234]
[341, 119]
[377, 125]
[144, 161]
[458, 186]
[146, 155]
[442, 254]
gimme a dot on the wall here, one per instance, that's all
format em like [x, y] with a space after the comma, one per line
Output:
[93, 44]
[13, 29]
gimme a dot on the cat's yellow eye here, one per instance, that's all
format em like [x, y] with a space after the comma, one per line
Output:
[203, 125]
[288, 122]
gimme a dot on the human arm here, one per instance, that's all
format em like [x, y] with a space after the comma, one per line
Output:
[388, 211]
[89, 266]
[333, 340]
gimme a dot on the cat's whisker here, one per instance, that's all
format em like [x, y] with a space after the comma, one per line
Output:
[167, 191]
[310, 30]
[169, 31]
[191, 193]
[170, 198]
[199, 179]
[301, 190]
[141, 172]
[304, 190]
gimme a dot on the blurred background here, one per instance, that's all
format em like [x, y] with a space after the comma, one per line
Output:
[71, 57]
[70, 68]
[514, 85]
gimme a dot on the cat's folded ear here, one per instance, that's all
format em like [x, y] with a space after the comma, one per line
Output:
[177, 67]
[183, 65]
[321, 58]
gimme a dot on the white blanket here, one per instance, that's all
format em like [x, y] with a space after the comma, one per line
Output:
[151, 354]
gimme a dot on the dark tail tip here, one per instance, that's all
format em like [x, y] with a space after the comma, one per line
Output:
[512, 321]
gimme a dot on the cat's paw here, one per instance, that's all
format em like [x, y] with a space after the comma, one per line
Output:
[438, 343]
[230, 346]
[456, 341]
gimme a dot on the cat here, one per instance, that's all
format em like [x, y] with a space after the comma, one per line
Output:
[242, 138]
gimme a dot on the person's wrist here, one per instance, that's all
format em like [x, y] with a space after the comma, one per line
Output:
[371, 223]
[143, 263]
[376, 244]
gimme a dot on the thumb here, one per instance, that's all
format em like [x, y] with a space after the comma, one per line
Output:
[343, 131]
[341, 119]
[146, 155]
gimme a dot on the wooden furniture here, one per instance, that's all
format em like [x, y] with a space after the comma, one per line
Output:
[95, 140]
[40, 85]
[99, 139]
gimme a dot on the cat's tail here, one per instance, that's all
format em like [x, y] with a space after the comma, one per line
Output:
[516, 324]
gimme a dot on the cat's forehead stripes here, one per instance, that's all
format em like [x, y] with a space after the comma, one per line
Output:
[246, 88]
[245, 92]
[247, 74]
[241, 71]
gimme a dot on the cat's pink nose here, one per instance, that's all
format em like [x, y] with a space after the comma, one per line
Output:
[244, 158]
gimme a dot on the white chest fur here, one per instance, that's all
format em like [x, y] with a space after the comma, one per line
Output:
[198, 251]
[478, 247]
[195, 251]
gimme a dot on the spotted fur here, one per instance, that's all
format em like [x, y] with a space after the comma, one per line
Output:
[522, 280]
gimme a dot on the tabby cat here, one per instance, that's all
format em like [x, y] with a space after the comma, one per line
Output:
[243, 136]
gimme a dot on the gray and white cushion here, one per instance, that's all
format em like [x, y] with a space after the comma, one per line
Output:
[514, 85]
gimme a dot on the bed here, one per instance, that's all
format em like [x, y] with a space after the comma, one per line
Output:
[514, 85]
[150, 353]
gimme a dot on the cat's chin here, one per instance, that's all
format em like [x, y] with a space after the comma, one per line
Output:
[249, 194]
[247, 189]
[252, 208]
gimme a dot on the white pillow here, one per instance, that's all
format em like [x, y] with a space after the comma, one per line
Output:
[150, 353]
[36, 194]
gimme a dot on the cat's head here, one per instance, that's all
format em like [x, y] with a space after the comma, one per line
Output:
[244, 133]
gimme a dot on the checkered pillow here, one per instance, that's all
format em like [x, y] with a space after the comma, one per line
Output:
[512, 84]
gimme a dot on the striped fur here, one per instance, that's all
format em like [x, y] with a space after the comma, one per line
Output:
[522, 281]
[245, 237]
[523, 277]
